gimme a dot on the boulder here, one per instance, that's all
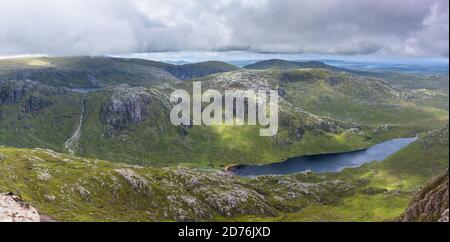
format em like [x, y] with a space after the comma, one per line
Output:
[13, 209]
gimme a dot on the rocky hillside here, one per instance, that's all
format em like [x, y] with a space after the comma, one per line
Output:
[63, 187]
[68, 188]
[430, 204]
[320, 111]
[286, 65]
[76, 72]
[86, 72]
[180, 169]
[189, 71]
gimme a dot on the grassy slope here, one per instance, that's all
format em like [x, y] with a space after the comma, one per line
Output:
[27, 129]
[403, 172]
[156, 139]
[396, 179]
[68, 188]
[152, 141]
[104, 71]
[74, 189]
[286, 65]
[345, 97]
[189, 71]
[365, 103]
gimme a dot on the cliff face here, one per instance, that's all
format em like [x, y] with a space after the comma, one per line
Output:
[431, 203]
[127, 105]
[13, 209]
[12, 91]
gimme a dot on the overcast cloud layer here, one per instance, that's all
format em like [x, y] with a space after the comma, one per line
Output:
[337, 27]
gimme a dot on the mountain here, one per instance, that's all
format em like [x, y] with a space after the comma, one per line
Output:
[320, 111]
[89, 72]
[286, 65]
[83, 72]
[103, 149]
[189, 71]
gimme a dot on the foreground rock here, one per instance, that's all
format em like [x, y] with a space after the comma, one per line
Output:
[94, 190]
[13, 209]
[431, 203]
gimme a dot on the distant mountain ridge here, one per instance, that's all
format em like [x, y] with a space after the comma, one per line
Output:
[104, 71]
[195, 70]
[131, 111]
[286, 65]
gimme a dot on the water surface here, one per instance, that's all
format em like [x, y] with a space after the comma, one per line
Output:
[326, 162]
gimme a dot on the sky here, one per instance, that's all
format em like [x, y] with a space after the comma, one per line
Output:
[400, 28]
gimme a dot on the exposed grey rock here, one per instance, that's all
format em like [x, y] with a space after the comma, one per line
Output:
[135, 180]
[12, 91]
[444, 217]
[49, 197]
[126, 105]
[35, 103]
[13, 209]
[43, 174]
[221, 193]
[430, 204]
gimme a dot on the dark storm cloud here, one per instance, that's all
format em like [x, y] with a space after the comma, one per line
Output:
[350, 27]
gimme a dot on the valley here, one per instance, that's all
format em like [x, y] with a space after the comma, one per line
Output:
[69, 188]
[90, 139]
[71, 143]
[321, 111]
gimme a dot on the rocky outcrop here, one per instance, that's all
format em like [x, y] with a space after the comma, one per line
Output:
[35, 103]
[12, 91]
[136, 181]
[218, 192]
[13, 209]
[444, 217]
[430, 204]
[126, 105]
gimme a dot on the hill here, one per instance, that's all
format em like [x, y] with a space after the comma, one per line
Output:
[91, 72]
[189, 71]
[286, 65]
[63, 187]
[153, 164]
[83, 72]
[320, 111]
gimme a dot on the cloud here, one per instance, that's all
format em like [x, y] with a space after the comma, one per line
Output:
[339, 27]
[71, 27]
